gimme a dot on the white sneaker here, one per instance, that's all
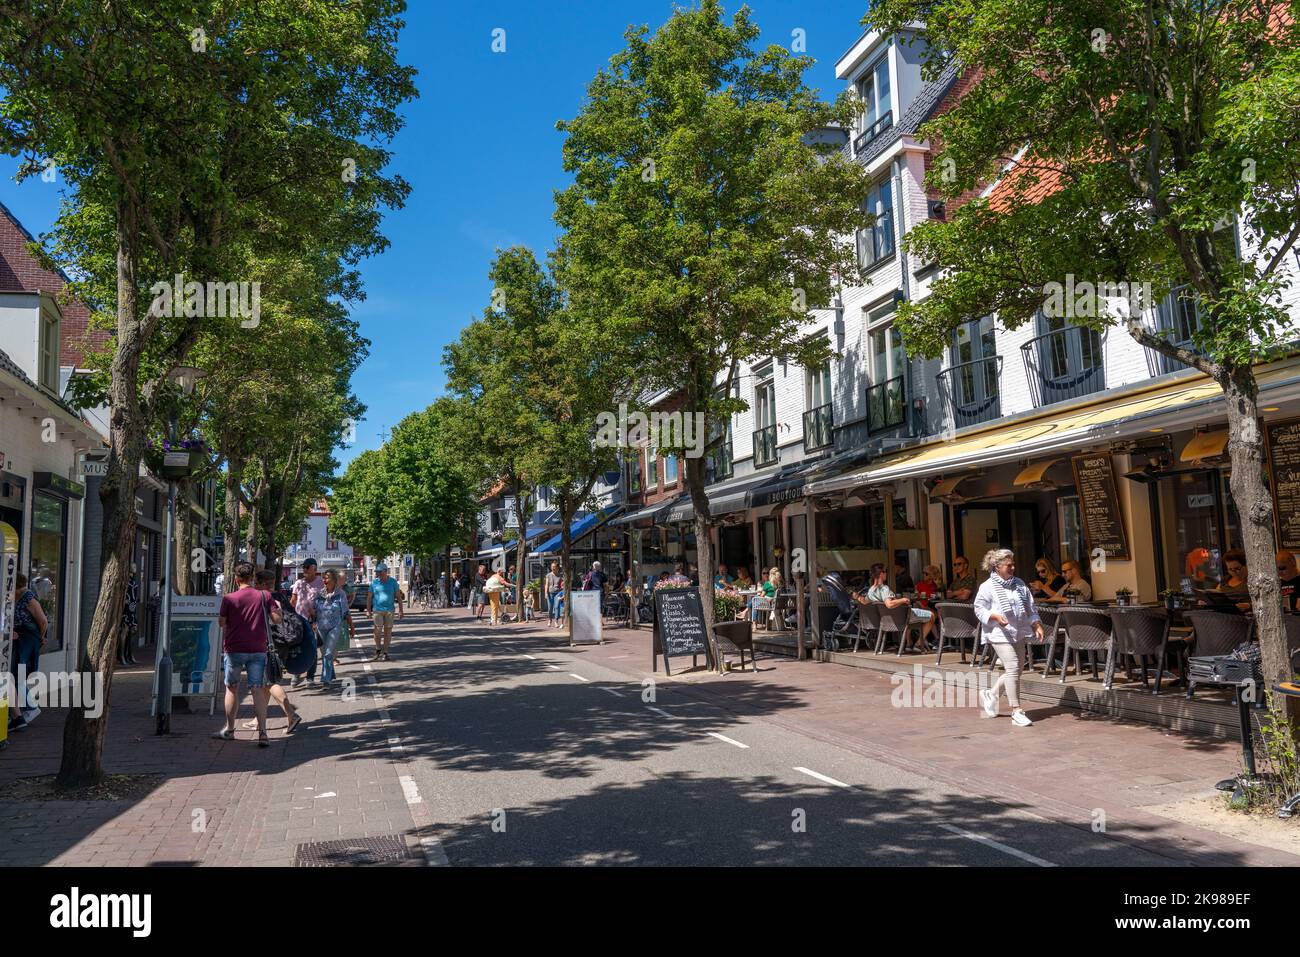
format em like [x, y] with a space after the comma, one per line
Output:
[989, 702]
[1021, 719]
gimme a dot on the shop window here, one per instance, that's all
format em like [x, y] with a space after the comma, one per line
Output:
[48, 553]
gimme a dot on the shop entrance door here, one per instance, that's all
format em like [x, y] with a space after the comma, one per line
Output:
[1012, 525]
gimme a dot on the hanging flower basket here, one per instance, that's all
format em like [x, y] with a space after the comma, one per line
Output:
[175, 460]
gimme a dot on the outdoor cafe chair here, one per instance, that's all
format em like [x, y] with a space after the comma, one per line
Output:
[957, 623]
[740, 635]
[895, 622]
[1090, 630]
[1140, 633]
[1051, 619]
[1216, 633]
[868, 621]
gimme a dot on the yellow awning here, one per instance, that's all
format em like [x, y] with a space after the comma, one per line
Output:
[1034, 474]
[1178, 404]
[1204, 445]
[947, 486]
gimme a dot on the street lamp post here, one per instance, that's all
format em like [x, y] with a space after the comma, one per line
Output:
[186, 377]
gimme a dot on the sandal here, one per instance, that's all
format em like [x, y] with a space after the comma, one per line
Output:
[225, 734]
[263, 741]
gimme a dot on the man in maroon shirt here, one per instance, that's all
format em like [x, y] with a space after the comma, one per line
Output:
[243, 617]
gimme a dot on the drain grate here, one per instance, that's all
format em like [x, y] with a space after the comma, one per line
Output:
[356, 852]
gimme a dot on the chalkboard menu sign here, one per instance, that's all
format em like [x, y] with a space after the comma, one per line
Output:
[586, 618]
[1103, 522]
[679, 625]
[1284, 477]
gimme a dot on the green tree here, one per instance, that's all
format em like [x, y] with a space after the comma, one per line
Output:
[359, 505]
[699, 220]
[1149, 124]
[183, 128]
[496, 369]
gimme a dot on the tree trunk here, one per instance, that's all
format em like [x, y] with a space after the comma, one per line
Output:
[250, 538]
[184, 572]
[522, 546]
[83, 736]
[230, 521]
[703, 553]
[1255, 511]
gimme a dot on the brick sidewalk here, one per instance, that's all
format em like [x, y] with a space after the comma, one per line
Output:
[1068, 767]
[220, 802]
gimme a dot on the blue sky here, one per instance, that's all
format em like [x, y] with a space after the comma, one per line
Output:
[482, 154]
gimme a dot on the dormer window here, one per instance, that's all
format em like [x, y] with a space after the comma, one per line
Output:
[47, 359]
[878, 103]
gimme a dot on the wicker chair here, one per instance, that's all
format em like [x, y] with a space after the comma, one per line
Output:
[1216, 633]
[740, 635]
[1087, 629]
[1140, 633]
[1049, 616]
[868, 621]
[893, 621]
[957, 623]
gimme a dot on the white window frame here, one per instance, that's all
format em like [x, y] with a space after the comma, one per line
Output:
[47, 351]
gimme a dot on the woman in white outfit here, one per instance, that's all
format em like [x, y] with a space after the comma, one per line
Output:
[1005, 608]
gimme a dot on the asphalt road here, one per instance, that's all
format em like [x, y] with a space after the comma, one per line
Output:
[522, 755]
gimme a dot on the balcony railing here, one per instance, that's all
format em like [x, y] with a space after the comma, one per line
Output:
[765, 452]
[1064, 364]
[886, 405]
[718, 466]
[1177, 319]
[875, 129]
[971, 391]
[818, 428]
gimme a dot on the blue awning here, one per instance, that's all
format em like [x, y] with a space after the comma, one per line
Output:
[579, 528]
[534, 531]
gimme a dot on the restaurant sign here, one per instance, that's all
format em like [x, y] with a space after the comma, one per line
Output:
[1103, 521]
[1283, 441]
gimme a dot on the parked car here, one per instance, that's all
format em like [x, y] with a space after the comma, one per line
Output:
[360, 592]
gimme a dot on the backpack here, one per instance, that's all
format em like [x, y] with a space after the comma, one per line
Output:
[287, 636]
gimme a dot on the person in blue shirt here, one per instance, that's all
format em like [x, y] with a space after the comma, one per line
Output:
[383, 597]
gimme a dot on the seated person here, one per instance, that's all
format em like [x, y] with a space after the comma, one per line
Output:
[743, 582]
[962, 586]
[903, 577]
[722, 581]
[928, 588]
[1288, 576]
[766, 594]
[882, 593]
[1234, 566]
[1049, 581]
[1074, 582]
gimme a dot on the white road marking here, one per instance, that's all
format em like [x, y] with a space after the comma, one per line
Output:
[579, 677]
[658, 711]
[395, 745]
[365, 667]
[327, 794]
[409, 790]
[530, 657]
[723, 737]
[998, 845]
[616, 693]
[821, 777]
[554, 667]
[616, 657]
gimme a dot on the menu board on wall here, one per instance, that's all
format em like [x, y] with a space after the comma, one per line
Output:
[1283, 439]
[1103, 521]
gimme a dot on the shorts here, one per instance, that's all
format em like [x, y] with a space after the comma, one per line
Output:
[920, 614]
[253, 661]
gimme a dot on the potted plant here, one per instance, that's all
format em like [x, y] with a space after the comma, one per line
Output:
[1172, 598]
[726, 606]
[175, 460]
[1123, 596]
[1072, 596]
